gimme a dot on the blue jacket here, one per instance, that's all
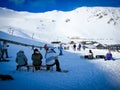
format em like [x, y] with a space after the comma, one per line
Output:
[21, 59]
[108, 56]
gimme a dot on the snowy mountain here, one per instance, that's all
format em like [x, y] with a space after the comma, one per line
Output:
[86, 23]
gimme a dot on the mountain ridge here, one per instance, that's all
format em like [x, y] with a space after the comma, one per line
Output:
[91, 23]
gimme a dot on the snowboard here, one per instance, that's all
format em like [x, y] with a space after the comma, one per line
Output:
[64, 71]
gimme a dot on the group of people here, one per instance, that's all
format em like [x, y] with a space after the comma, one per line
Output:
[51, 59]
[3, 50]
[108, 55]
[77, 47]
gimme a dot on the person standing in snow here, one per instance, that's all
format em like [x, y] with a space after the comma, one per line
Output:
[21, 60]
[79, 47]
[0, 50]
[4, 49]
[83, 47]
[61, 49]
[52, 59]
[37, 59]
[74, 47]
[33, 47]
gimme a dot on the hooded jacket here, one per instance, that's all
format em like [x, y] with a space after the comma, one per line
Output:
[21, 59]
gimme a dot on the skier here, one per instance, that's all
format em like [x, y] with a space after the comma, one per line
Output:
[79, 47]
[0, 50]
[37, 59]
[4, 49]
[83, 47]
[21, 60]
[33, 47]
[60, 48]
[52, 59]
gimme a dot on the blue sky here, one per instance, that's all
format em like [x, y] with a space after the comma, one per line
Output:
[48, 5]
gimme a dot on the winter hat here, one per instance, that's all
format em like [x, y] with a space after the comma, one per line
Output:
[21, 51]
[35, 50]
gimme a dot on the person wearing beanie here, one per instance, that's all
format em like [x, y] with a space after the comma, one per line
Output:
[37, 59]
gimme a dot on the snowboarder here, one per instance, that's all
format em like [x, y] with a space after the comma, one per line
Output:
[5, 49]
[21, 60]
[37, 59]
[52, 59]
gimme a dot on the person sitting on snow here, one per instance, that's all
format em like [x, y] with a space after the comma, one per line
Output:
[109, 56]
[21, 60]
[90, 55]
[52, 59]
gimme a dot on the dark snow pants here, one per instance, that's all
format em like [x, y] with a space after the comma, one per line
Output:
[4, 51]
[57, 65]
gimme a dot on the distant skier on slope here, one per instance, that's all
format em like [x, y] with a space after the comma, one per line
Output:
[79, 47]
[61, 49]
[0, 50]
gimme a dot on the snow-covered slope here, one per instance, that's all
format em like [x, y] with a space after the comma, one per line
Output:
[88, 23]
[83, 74]
[30, 42]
